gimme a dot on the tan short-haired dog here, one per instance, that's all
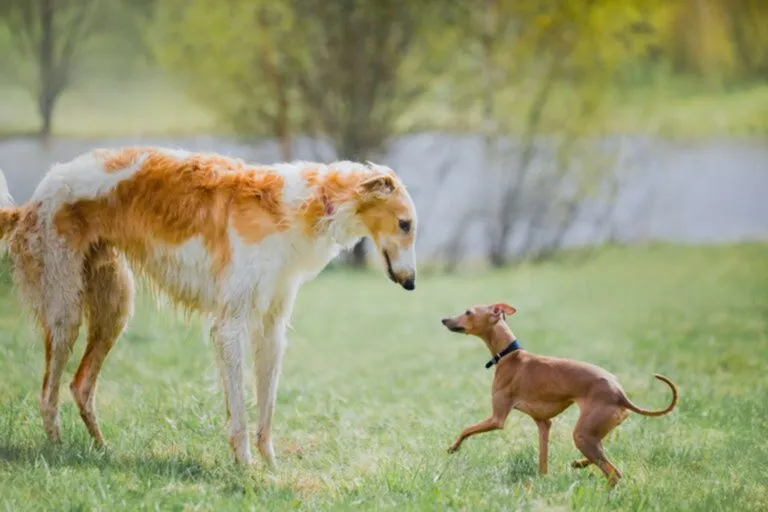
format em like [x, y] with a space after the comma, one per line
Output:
[543, 387]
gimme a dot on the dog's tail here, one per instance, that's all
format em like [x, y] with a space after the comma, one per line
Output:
[9, 213]
[645, 412]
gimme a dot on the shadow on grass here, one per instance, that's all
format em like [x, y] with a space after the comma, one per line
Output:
[521, 466]
[80, 456]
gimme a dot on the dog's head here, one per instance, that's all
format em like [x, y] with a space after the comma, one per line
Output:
[479, 320]
[389, 216]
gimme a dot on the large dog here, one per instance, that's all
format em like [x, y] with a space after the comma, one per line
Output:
[219, 236]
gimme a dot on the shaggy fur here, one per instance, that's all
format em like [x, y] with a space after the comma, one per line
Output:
[219, 236]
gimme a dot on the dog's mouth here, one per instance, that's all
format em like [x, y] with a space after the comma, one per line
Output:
[408, 283]
[390, 272]
[453, 327]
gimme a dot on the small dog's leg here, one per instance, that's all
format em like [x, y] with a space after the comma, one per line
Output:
[488, 424]
[593, 425]
[227, 335]
[544, 426]
[501, 407]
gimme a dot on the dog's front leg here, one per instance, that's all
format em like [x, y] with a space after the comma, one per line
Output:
[268, 347]
[502, 404]
[228, 334]
[488, 424]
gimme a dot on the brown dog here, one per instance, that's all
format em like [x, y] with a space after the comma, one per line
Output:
[543, 387]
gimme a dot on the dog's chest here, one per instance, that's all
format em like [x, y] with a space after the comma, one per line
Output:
[542, 410]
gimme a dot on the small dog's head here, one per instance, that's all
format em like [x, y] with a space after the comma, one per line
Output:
[478, 320]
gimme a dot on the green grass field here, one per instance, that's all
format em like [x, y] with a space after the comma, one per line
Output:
[374, 391]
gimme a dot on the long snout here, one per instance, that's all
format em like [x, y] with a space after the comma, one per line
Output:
[402, 268]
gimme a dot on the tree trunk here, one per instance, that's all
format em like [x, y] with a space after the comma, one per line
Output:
[358, 255]
[47, 93]
[282, 128]
[349, 150]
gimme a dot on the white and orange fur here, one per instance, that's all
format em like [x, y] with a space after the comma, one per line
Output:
[221, 237]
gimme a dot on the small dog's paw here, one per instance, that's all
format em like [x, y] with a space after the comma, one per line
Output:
[453, 448]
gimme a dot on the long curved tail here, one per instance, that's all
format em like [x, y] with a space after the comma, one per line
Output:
[9, 214]
[645, 412]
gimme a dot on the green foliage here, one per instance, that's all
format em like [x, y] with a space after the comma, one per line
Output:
[374, 391]
[232, 55]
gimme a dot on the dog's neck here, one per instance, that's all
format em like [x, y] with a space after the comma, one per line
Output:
[498, 337]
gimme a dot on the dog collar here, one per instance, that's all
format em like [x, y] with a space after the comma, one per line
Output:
[515, 345]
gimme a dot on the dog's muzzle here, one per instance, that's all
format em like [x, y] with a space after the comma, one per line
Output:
[452, 327]
[406, 279]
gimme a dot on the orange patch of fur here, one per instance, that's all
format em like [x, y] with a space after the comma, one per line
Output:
[171, 200]
[118, 159]
[331, 190]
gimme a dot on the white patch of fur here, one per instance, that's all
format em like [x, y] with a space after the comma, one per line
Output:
[81, 178]
[405, 263]
[6, 200]
[179, 154]
[184, 271]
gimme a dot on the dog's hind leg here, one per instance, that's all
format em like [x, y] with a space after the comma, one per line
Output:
[61, 315]
[268, 348]
[108, 304]
[593, 425]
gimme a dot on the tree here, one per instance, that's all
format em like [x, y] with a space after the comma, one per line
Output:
[51, 34]
[234, 55]
[348, 72]
[538, 77]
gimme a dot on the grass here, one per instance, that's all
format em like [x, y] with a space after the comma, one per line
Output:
[374, 391]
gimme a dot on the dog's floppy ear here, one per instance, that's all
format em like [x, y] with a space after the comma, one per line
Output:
[381, 184]
[502, 310]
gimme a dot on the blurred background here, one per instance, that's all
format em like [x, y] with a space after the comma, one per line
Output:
[520, 127]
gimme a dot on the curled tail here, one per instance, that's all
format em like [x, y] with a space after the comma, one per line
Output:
[645, 412]
[9, 214]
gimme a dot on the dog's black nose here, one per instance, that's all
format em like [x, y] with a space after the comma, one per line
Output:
[409, 284]
[444, 321]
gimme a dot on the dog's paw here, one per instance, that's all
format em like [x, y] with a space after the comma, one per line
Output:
[453, 448]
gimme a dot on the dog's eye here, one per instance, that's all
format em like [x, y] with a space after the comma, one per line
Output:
[405, 225]
[468, 313]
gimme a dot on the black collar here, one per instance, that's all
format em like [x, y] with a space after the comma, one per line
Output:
[510, 348]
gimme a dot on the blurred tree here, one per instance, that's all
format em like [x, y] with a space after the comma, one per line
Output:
[50, 33]
[348, 72]
[234, 55]
[720, 40]
[557, 61]
[277, 67]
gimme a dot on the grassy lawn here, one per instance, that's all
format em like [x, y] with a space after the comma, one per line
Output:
[374, 391]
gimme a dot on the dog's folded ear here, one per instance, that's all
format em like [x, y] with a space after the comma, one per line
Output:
[503, 310]
[381, 184]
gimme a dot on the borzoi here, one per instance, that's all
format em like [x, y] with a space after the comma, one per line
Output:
[219, 236]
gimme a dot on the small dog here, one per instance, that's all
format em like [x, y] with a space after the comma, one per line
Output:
[543, 387]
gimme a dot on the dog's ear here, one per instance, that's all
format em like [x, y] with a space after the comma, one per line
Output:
[502, 310]
[380, 185]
